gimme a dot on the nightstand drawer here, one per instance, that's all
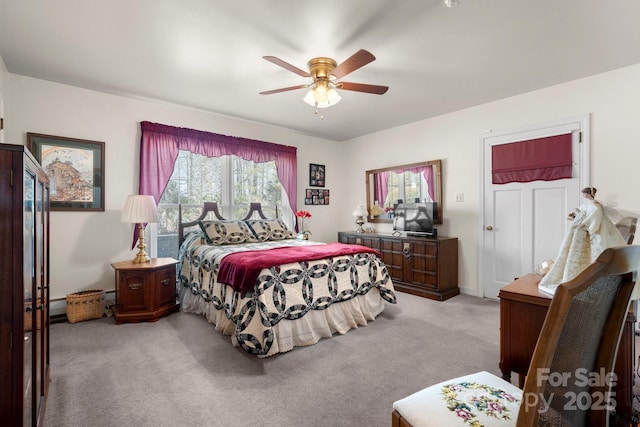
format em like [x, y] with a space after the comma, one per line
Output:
[165, 286]
[133, 287]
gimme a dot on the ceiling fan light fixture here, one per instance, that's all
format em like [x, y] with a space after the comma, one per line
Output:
[325, 72]
[333, 96]
[321, 97]
[320, 94]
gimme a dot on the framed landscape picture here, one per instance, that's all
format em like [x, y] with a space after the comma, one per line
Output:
[316, 175]
[75, 168]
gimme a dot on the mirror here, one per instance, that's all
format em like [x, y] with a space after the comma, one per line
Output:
[416, 182]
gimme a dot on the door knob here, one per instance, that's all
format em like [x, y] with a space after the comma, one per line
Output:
[489, 228]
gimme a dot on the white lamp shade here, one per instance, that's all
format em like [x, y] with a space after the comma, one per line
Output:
[359, 211]
[140, 210]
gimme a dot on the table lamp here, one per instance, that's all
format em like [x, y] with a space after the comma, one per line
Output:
[360, 212]
[140, 210]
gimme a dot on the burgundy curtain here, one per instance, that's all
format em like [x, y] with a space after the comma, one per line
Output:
[160, 144]
[427, 173]
[380, 187]
[541, 159]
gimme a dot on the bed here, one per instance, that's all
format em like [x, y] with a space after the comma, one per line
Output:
[271, 292]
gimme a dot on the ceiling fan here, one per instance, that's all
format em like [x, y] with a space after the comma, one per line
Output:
[325, 72]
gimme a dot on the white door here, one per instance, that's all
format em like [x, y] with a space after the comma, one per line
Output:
[523, 223]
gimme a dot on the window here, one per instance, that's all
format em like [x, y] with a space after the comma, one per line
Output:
[228, 180]
[406, 186]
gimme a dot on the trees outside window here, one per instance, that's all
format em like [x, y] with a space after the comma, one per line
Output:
[230, 181]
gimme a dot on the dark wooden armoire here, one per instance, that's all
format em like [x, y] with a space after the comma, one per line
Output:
[24, 287]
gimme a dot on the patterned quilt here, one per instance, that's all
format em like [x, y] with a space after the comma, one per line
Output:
[286, 291]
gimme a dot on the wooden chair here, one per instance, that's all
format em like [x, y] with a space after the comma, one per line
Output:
[627, 227]
[577, 345]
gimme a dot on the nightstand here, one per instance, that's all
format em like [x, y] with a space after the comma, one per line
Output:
[145, 292]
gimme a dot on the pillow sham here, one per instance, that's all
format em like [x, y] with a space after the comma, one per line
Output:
[270, 229]
[227, 232]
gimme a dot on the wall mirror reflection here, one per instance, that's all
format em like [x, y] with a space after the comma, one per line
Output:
[410, 183]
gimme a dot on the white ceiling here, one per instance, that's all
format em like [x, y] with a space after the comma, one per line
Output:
[207, 54]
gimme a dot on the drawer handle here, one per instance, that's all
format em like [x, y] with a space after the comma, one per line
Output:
[165, 282]
[135, 286]
[406, 250]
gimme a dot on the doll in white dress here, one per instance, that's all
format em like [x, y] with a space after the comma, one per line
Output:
[590, 232]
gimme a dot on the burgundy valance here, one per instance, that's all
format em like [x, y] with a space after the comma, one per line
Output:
[159, 146]
[541, 159]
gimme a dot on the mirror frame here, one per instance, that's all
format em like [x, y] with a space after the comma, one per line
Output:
[437, 175]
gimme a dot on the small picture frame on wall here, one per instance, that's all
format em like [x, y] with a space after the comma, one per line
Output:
[316, 175]
[75, 168]
[316, 196]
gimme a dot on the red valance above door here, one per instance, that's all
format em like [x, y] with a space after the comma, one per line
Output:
[541, 159]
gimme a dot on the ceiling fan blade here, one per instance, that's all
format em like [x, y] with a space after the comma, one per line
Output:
[357, 60]
[284, 89]
[360, 87]
[287, 66]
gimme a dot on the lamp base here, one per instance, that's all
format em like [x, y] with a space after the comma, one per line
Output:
[141, 256]
[360, 222]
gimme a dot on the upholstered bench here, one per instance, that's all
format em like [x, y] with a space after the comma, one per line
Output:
[482, 398]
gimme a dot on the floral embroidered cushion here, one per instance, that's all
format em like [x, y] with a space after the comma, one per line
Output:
[480, 399]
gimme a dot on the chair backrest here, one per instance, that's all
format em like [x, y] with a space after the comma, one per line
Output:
[627, 227]
[578, 343]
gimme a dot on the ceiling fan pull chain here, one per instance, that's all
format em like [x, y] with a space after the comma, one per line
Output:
[317, 113]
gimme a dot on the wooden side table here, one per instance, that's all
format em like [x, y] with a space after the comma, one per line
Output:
[522, 312]
[145, 292]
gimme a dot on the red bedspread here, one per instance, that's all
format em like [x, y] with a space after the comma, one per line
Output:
[241, 269]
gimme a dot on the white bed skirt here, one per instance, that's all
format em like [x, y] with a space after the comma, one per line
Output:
[307, 330]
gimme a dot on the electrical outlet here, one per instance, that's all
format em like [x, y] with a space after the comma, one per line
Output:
[459, 197]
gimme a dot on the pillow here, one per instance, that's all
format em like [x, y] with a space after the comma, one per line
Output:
[270, 229]
[227, 232]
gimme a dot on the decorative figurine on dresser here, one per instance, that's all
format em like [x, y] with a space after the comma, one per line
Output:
[145, 288]
[24, 287]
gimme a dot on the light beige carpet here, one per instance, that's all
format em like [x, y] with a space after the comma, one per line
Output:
[180, 371]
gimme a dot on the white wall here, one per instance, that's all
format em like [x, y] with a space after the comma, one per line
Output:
[84, 244]
[612, 99]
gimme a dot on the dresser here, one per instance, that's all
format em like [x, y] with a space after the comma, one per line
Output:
[423, 266]
[145, 291]
[24, 287]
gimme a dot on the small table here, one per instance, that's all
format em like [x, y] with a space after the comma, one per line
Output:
[522, 312]
[145, 291]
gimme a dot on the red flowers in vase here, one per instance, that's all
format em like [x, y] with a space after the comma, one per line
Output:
[302, 215]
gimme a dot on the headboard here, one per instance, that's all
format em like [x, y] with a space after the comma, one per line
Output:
[254, 208]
